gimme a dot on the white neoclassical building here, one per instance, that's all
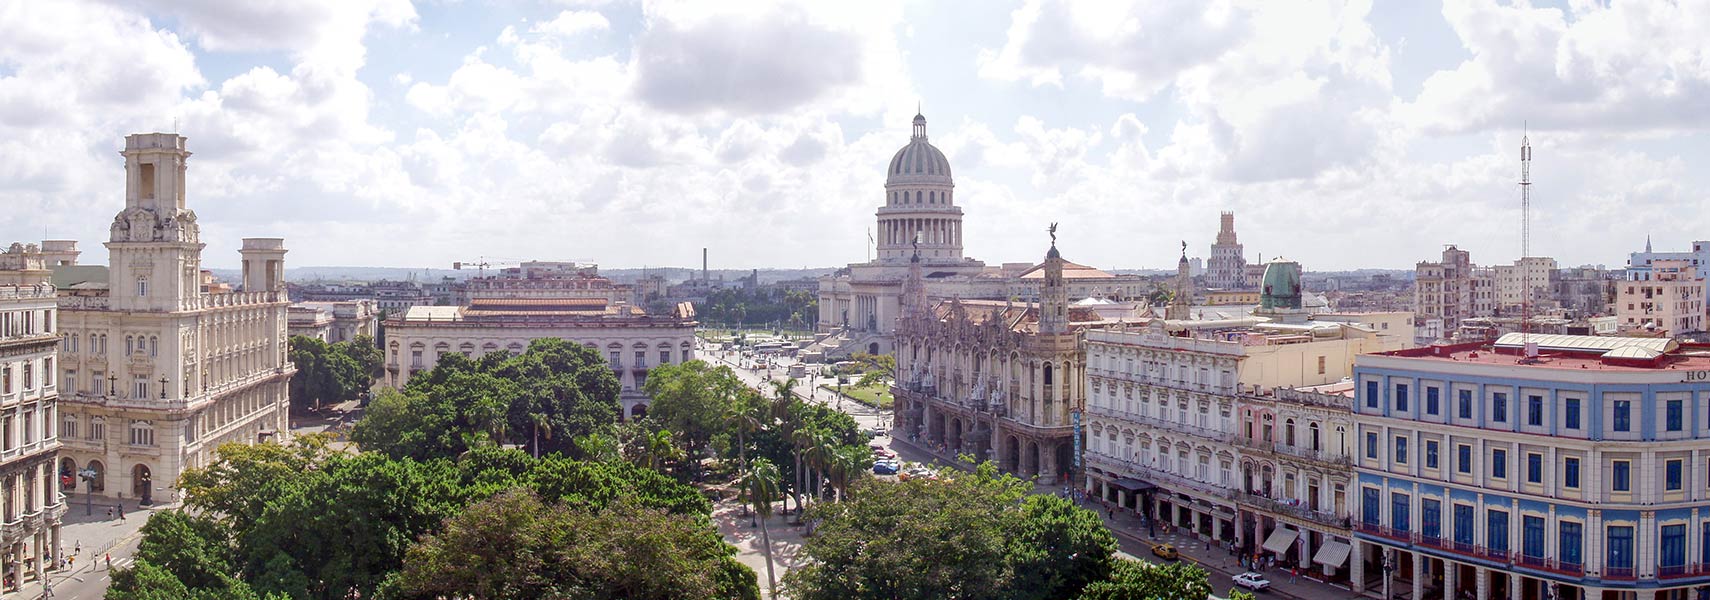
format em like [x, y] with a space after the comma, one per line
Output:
[28, 399]
[632, 340]
[155, 373]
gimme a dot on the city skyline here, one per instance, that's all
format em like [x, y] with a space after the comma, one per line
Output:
[387, 133]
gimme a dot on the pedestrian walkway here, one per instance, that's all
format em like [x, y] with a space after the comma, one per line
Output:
[95, 527]
[1219, 562]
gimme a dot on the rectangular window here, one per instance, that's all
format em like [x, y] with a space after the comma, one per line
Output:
[1623, 418]
[1619, 476]
[1568, 542]
[1675, 414]
[1570, 413]
[1465, 408]
[1369, 506]
[1430, 518]
[1371, 445]
[1532, 536]
[1464, 524]
[1463, 459]
[1499, 464]
[1400, 450]
[1496, 531]
[1371, 394]
[664, 357]
[1534, 467]
[1620, 548]
[1431, 402]
[1570, 473]
[1672, 475]
[1398, 515]
[1499, 407]
[1401, 397]
[1535, 411]
[1430, 454]
[1673, 550]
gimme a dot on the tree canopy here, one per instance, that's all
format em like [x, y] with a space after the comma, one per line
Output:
[331, 373]
[297, 521]
[565, 389]
[972, 536]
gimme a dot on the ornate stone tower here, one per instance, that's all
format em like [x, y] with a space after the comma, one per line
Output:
[914, 288]
[1054, 310]
[1183, 294]
[155, 245]
[263, 264]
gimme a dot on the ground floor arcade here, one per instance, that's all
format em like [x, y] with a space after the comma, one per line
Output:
[956, 430]
[1402, 572]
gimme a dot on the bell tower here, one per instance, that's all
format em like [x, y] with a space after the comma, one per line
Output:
[154, 247]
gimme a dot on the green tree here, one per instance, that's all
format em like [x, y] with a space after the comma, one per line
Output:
[691, 399]
[515, 546]
[974, 536]
[761, 481]
[1135, 580]
[1056, 548]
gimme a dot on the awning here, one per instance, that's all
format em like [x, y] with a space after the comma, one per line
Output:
[1132, 485]
[1332, 553]
[1280, 538]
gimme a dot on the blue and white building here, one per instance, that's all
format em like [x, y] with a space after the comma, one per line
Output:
[1579, 471]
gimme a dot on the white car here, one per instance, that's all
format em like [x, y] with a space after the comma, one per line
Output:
[1252, 581]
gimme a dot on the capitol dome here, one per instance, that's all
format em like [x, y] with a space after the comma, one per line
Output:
[919, 161]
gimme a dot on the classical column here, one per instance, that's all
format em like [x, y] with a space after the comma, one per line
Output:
[1645, 594]
[1481, 580]
[1419, 576]
[1356, 565]
[1513, 585]
[1450, 570]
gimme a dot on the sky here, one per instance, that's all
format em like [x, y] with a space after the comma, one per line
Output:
[396, 133]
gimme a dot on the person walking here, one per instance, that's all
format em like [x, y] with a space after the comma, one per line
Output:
[47, 589]
[109, 561]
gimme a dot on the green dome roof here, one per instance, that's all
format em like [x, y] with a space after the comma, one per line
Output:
[1281, 285]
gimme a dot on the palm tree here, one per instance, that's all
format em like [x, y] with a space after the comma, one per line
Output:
[761, 481]
[802, 439]
[820, 456]
[847, 463]
[659, 447]
[540, 422]
[739, 415]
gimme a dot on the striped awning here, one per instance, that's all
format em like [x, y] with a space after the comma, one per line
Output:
[1332, 553]
[1280, 538]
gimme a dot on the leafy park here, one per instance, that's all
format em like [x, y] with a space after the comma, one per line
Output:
[509, 477]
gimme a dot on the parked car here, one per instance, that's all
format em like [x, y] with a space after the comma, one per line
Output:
[884, 468]
[1252, 581]
[1165, 551]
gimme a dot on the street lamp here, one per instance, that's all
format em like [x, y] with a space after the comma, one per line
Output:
[162, 387]
[112, 386]
[1388, 567]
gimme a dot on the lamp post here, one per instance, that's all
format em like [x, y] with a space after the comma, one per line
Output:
[1388, 567]
[112, 386]
[162, 387]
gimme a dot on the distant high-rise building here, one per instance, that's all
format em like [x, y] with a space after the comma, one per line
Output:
[1227, 267]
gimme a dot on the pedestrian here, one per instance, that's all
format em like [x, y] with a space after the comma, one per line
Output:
[1109, 514]
[109, 561]
[1293, 573]
[79, 548]
[71, 562]
[47, 589]
[109, 512]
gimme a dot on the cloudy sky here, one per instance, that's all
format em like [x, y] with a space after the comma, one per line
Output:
[398, 133]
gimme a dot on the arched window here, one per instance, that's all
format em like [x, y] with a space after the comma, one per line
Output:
[153, 346]
[1312, 431]
[142, 287]
[1288, 431]
[130, 345]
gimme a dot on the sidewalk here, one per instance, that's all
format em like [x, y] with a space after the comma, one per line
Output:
[99, 535]
[1217, 561]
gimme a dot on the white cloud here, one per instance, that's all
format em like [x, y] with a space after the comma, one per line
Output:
[571, 23]
[1636, 67]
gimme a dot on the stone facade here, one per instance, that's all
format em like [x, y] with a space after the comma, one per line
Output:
[630, 339]
[1227, 267]
[992, 379]
[156, 373]
[334, 322]
[29, 397]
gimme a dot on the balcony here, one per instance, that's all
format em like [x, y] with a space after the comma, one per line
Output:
[1193, 430]
[1159, 477]
[1299, 511]
[1322, 457]
[1683, 571]
[1619, 574]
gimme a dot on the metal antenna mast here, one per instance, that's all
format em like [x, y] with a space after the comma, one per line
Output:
[1528, 352]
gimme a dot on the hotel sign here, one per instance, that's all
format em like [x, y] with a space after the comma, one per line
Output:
[1696, 376]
